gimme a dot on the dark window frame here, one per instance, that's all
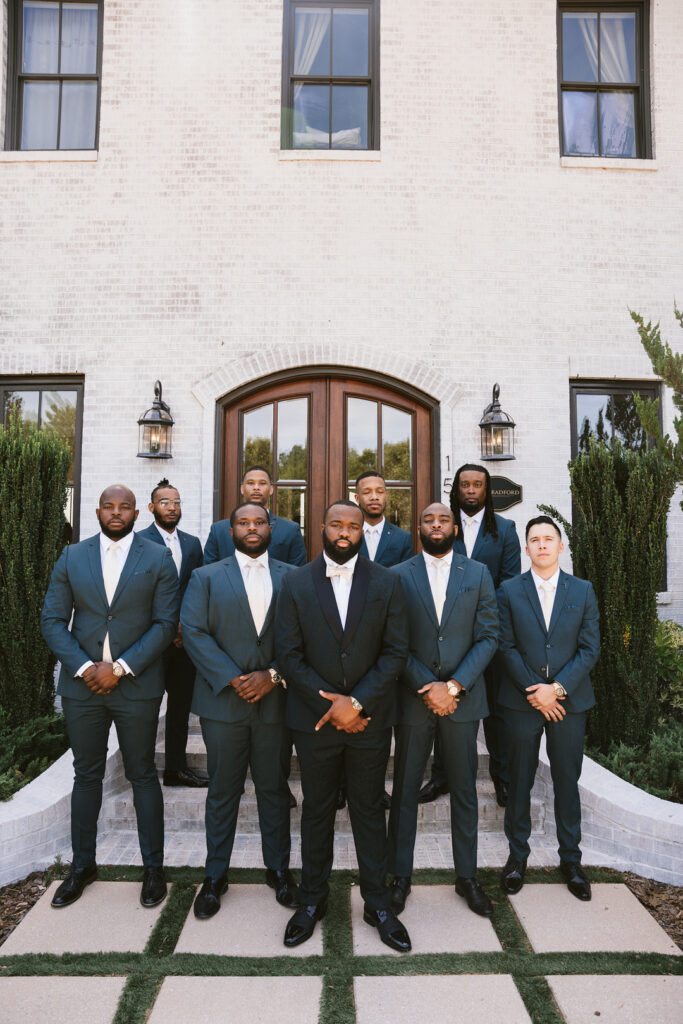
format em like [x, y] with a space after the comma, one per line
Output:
[641, 88]
[371, 79]
[64, 382]
[16, 78]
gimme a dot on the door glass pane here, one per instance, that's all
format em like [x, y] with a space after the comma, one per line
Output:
[257, 432]
[349, 117]
[580, 47]
[617, 124]
[618, 47]
[79, 39]
[40, 38]
[311, 41]
[591, 418]
[361, 436]
[59, 414]
[292, 438]
[396, 441]
[350, 43]
[39, 118]
[25, 404]
[79, 108]
[399, 508]
[311, 117]
[291, 504]
[580, 122]
[622, 415]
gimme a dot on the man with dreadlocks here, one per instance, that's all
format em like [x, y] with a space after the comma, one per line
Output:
[489, 538]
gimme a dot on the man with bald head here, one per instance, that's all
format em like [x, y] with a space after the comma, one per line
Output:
[453, 633]
[122, 592]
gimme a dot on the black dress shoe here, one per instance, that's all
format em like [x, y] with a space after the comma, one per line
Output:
[502, 790]
[430, 791]
[208, 901]
[301, 925]
[153, 887]
[292, 799]
[386, 801]
[577, 883]
[512, 878]
[341, 798]
[73, 885]
[477, 900]
[286, 889]
[391, 931]
[400, 890]
[186, 777]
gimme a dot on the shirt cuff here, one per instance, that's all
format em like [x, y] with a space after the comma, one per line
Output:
[126, 668]
[86, 664]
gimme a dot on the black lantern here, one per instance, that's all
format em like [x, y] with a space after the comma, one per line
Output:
[497, 431]
[156, 427]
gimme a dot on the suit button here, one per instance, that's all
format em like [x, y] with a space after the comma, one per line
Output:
[434, 665]
[99, 643]
[344, 654]
[549, 646]
[258, 643]
[109, 618]
[441, 639]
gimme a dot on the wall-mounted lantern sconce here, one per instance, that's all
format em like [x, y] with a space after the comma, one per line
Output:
[156, 428]
[497, 431]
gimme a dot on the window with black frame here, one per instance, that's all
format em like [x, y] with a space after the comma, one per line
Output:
[330, 75]
[50, 403]
[606, 410]
[54, 70]
[603, 79]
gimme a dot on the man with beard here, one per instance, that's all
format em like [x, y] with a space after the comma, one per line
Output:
[488, 538]
[383, 542]
[179, 672]
[227, 622]
[287, 544]
[453, 626]
[123, 594]
[340, 640]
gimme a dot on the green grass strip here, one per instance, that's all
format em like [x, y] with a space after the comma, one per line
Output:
[137, 999]
[539, 1001]
[167, 930]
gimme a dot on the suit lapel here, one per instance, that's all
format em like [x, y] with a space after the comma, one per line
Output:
[421, 580]
[532, 595]
[276, 578]
[359, 592]
[384, 541]
[184, 552]
[95, 560]
[134, 556]
[234, 574]
[456, 578]
[479, 543]
[560, 598]
[325, 594]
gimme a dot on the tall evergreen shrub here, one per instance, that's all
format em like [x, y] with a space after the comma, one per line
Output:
[33, 473]
[621, 499]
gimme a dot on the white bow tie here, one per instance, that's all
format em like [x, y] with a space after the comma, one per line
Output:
[339, 570]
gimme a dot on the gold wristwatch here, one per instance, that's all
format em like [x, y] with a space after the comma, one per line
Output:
[559, 690]
[118, 669]
[453, 688]
[356, 704]
[277, 678]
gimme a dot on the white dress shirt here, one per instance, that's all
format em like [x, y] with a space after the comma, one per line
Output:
[373, 535]
[258, 585]
[172, 542]
[438, 572]
[546, 590]
[470, 529]
[122, 551]
[341, 581]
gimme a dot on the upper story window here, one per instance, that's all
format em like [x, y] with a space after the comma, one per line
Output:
[604, 77]
[604, 409]
[330, 75]
[54, 74]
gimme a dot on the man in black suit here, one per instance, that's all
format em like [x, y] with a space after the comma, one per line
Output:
[340, 641]
[287, 544]
[383, 542]
[179, 672]
[227, 618]
[486, 537]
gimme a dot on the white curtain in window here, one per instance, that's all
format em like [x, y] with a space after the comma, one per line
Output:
[41, 37]
[311, 29]
[614, 51]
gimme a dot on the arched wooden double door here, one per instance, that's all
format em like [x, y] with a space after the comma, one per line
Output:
[316, 431]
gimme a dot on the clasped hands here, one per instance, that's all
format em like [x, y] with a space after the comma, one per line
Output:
[542, 696]
[99, 677]
[253, 686]
[437, 698]
[342, 714]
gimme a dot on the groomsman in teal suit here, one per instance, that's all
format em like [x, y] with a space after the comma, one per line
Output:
[453, 630]
[123, 594]
[179, 672]
[550, 641]
[383, 542]
[227, 624]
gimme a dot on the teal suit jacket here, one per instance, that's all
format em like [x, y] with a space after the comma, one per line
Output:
[220, 637]
[563, 653]
[190, 549]
[460, 647]
[395, 546]
[501, 555]
[141, 620]
[286, 545]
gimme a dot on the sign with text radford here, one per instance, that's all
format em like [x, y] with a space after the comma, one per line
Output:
[505, 493]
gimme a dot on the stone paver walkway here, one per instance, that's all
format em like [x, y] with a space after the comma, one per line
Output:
[544, 958]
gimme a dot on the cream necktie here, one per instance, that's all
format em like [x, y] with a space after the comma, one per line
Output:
[548, 601]
[256, 593]
[470, 536]
[439, 584]
[110, 572]
[372, 541]
[174, 544]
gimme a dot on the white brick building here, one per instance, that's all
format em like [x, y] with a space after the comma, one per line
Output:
[464, 250]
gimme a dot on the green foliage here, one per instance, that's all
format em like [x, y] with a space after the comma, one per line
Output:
[617, 542]
[669, 647]
[33, 472]
[669, 366]
[27, 750]
[656, 767]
